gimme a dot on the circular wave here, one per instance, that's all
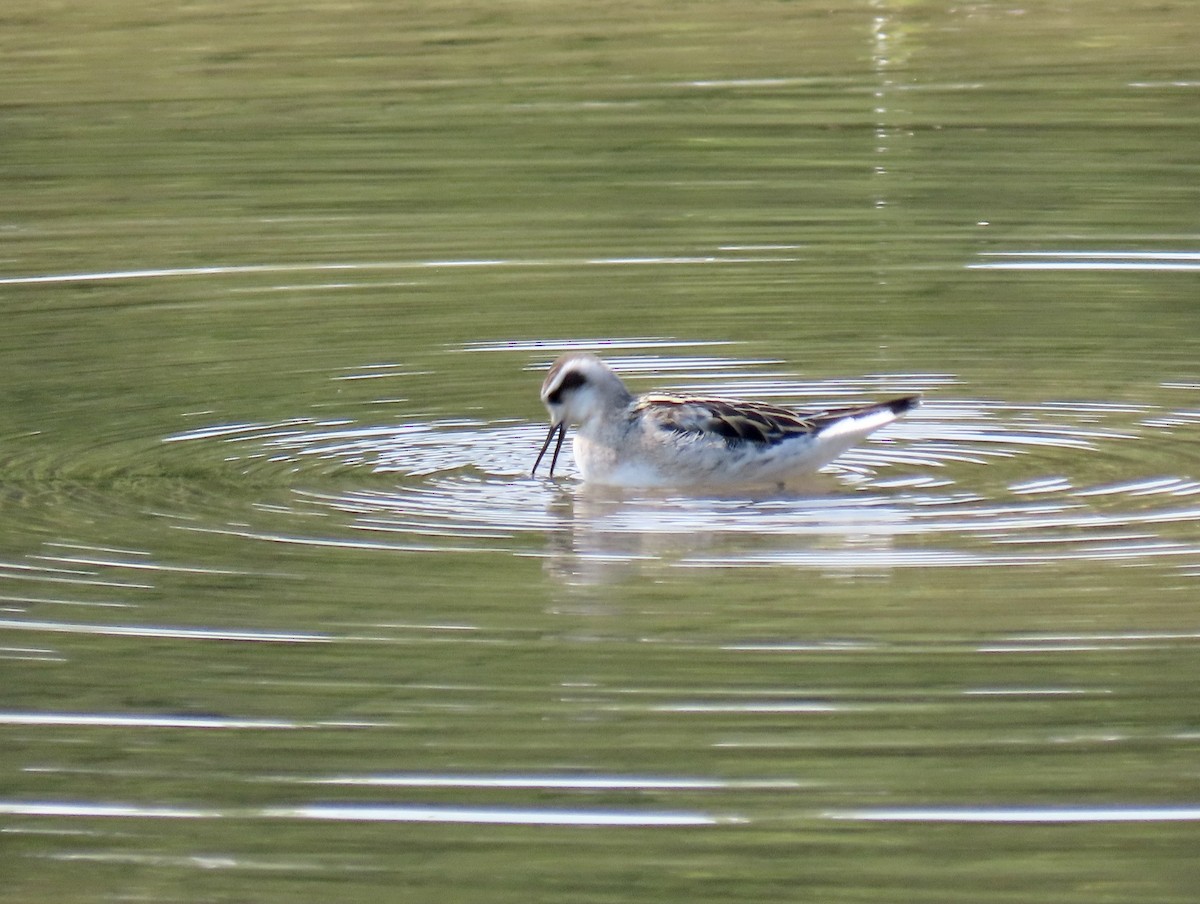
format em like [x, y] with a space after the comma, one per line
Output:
[958, 483]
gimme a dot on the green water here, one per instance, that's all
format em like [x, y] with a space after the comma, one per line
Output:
[282, 615]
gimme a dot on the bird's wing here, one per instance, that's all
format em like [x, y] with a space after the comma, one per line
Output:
[731, 420]
[735, 421]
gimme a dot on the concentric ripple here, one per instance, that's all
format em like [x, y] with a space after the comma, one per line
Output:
[959, 483]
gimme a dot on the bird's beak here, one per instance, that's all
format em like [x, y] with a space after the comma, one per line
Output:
[560, 428]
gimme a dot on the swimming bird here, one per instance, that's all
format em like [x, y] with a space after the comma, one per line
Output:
[667, 440]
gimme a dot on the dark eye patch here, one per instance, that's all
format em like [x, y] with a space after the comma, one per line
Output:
[572, 380]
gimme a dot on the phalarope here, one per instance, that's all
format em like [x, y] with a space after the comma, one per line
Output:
[667, 440]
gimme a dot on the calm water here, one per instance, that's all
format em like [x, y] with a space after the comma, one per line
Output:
[282, 615]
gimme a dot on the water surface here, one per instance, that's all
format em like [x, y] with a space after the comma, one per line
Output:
[281, 606]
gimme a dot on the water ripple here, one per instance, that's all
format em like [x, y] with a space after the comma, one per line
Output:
[960, 483]
[1126, 813]
[375, 266]
[163, 631]
[1089, 260]
[533, 816]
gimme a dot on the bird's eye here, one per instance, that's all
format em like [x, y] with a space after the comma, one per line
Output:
[572, 380]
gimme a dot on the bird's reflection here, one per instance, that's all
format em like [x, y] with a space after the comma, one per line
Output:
[602, 535]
